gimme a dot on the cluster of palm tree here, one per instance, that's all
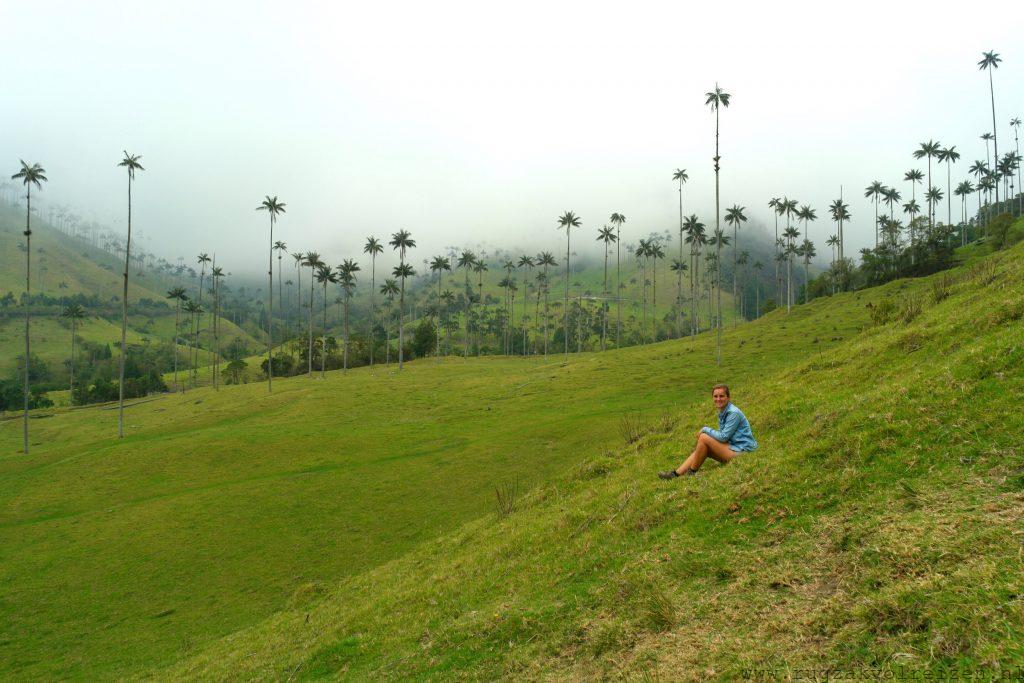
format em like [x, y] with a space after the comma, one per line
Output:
[704, 253]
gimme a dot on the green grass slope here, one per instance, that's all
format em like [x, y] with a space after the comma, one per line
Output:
[220, 509]
[348, 526]
[877, 527]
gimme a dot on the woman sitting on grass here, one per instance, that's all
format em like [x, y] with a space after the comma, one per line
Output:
[732, 437]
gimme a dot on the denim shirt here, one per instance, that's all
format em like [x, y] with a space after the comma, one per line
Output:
[733, 428]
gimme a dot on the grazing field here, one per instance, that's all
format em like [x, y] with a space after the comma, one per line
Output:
[349, 525]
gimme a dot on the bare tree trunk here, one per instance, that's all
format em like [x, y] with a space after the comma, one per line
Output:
[28, 307]
[124, 316]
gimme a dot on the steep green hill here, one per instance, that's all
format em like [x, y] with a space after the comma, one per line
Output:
[65, 267]
[348, 526]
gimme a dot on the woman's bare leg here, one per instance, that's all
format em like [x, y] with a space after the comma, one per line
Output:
[706, 446]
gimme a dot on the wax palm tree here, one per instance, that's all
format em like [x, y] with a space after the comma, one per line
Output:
[527, 263]
[840, 214]
[790, 235]
[949, 155]
[389, 289]
[1015, 124]
[717, 99]
[911, 208]
[298, 257]
[963, 190]
[775, 204]
[890, 196]
[439, 264]
[696, 237]
[808, 252]
[606, 235]
[506, 284]
[217, 273]
[274, 208]
[193, 309]
[914, 177]
[681, 177]
[654, 252]
[311, 260]
[202, 260]
[929, 150]
[373, 247]
[718, 240]
[465, 261]
[990, 62]
[29, 176]
[178, 295]
[874, 192]
[130, 162]
[448, 298]
[347, 279]
[281, 248]
[402, 241]
[934, 195]
[546, 259]
[734, 216]
[480, 267]
[567, 220]
[402, 271]
[325, 275]
[832, 242]
[74, 313]
[617, 219]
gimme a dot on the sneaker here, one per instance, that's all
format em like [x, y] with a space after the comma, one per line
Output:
[670, 474]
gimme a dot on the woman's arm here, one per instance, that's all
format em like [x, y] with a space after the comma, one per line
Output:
[732, 423]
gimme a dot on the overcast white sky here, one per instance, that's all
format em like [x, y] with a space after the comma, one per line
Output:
[468, 121]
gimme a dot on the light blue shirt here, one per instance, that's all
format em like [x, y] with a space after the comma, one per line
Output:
[733, 429]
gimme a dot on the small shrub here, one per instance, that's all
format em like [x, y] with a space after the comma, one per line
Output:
[983, 272]
[940, 288]
[910, 309]
[507, 493]
[666, 422]
[631, 427]
[882, 312]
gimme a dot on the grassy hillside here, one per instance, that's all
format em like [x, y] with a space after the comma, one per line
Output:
[877, 527]
[348, 525]
[86, 270]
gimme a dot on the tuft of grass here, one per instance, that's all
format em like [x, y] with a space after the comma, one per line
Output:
[631, 427]
[506, 495]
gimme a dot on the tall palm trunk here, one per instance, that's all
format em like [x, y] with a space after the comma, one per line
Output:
[323, 337]
[71, 388]
[565, 313]
[401, 324]
[216, 331]
[469, 311]
[618, 286]
[718, 225]
[312, 285]
[387, 335]
[778, 279]
[654, 300]
[174, 341]
[604, 304]
[643, 299]
[280, 283]
[995, 134]
[124, 316]
[373, 305]
[547, 308]
[931, 209]
[28, 307]
[438, 332]
[270, 308]
[949, 194]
